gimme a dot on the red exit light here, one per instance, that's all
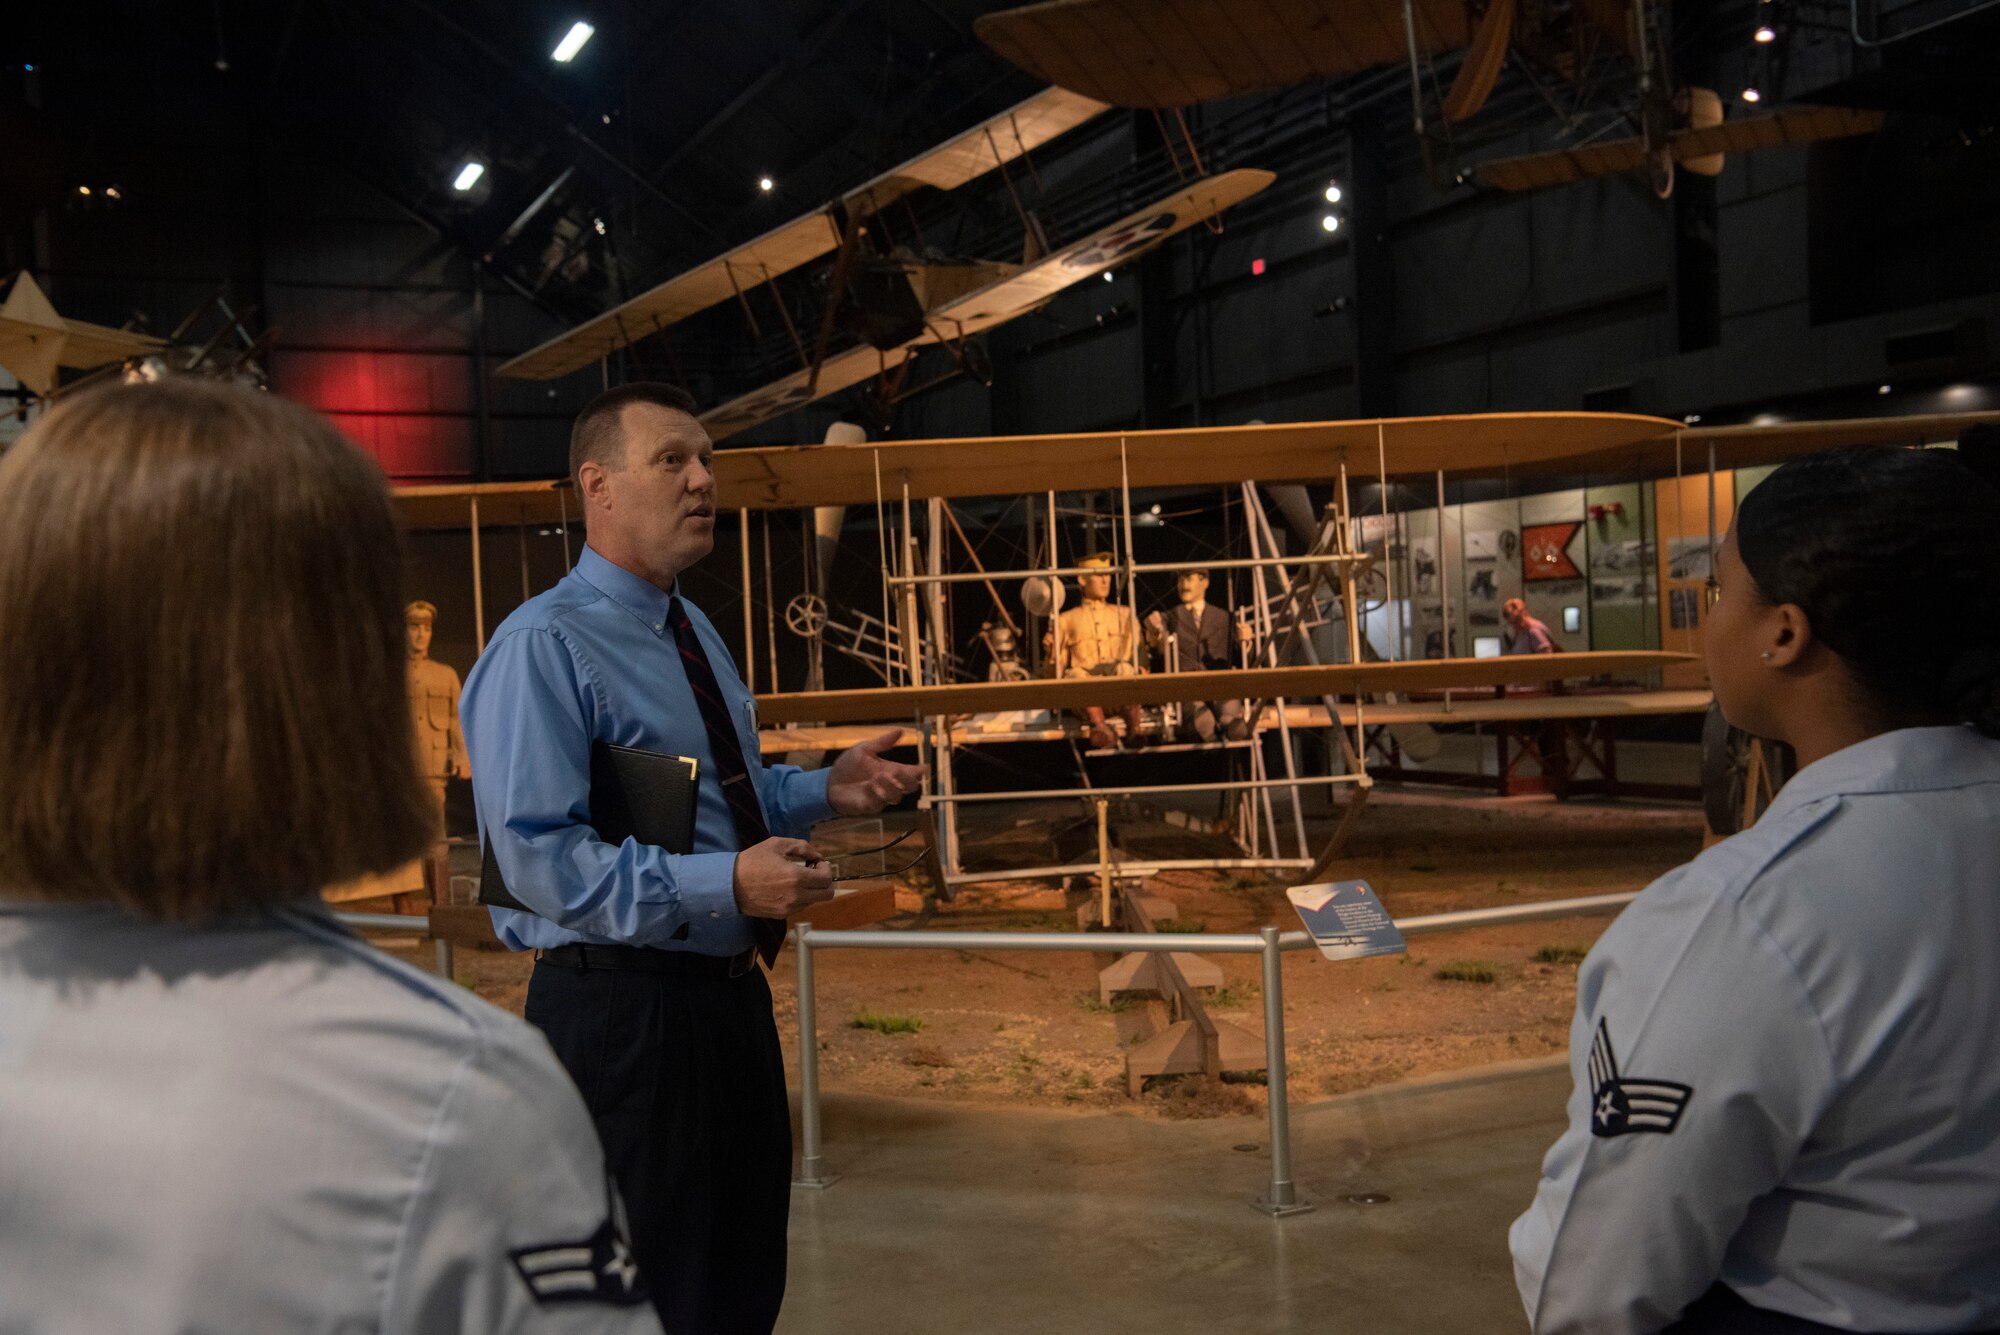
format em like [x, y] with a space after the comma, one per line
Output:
[1257, 268]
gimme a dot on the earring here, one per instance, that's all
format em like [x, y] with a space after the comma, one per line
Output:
[1765, 654]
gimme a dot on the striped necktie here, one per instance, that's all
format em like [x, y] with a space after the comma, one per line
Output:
[739, 790]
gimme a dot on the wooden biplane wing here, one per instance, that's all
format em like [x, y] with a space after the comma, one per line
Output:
[965, 158]
[1472, 445]
[1793, 125]
[895, 703]
[1174, 53]
[953, 163]
[34, 340]
[1525, 444]
[997, 302]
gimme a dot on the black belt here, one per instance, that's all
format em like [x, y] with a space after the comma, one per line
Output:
[640, 959]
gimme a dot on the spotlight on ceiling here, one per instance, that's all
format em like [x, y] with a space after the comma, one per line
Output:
[1333, 192]
[1330, 223]
[1108, 277]
[1883, 389]
[83, 190]
[598, 223]
[468, 176]
[766, 184]
[572, 42]
[1752, 95]
[1765, 33]
[111, 192]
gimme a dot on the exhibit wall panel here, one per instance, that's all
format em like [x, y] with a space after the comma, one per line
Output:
[1556, 520]
[1624, 611]
[1682, 565]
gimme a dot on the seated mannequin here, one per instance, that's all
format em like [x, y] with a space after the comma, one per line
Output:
[1195, 636]
[1097, 638]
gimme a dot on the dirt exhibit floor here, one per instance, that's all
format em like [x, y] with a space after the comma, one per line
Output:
[1029, 1028]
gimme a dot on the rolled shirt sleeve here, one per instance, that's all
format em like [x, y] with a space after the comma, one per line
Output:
[528, 714]
[1701, 1070]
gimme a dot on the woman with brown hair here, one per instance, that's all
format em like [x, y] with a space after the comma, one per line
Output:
[218, 1109]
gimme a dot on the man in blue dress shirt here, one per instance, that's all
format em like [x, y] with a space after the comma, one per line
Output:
[645, 978]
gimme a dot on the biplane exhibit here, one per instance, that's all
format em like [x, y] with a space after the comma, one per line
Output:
[1100, 664]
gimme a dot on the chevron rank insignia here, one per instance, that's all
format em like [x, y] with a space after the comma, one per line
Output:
[596, 1269]
[1621, 1106]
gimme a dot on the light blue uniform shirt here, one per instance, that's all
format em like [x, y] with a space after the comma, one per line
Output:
[262, 1124]
[1787, 1057]
[593, 660]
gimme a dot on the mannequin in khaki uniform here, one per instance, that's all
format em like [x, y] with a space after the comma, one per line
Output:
[1097, 639]
[434, 709]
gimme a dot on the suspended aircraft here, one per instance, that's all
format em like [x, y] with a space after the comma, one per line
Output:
[1174, 53]
[35, 341]
[897, 300]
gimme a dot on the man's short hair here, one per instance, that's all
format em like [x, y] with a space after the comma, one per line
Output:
[204, 703]
[1191, 570]
[596, 435]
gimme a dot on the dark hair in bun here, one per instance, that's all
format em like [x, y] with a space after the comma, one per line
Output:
[1894, 555]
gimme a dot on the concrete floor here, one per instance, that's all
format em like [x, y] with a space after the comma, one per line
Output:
[948, 1218]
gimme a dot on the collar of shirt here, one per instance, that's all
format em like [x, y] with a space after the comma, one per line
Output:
[641, 597]
[1906, 760]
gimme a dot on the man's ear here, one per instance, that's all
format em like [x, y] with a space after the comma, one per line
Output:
[593, 483]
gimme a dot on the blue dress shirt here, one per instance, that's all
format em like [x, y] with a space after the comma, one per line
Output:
[593, 660]
[1786, 1070]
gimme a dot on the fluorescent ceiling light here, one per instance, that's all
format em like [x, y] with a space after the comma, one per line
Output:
[468, 176]
[572, 42]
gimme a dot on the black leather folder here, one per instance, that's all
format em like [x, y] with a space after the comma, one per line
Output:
[634, 794]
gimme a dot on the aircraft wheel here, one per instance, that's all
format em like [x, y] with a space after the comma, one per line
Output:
[805, 615]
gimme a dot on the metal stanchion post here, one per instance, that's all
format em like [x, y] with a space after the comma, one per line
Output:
[444, 961]
[1282, 1198]
[812, 1174]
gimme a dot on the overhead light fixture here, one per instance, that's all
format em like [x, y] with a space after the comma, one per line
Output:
[111, 192]
[1765, 33]
[1332, 193]
[468, 176]
[1692, 418]
[1882, 389]
[83, 190]
[1108, 277]
[1330, 223]
[1752, 95]
[766, 184]
[598, 223]
[572, 42]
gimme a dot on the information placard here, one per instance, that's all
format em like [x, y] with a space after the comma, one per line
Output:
[1346, 920]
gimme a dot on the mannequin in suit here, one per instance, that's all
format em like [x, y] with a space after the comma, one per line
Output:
[1199, 635]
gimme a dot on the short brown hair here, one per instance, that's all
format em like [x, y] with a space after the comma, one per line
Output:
[202, 700]
[596, 435]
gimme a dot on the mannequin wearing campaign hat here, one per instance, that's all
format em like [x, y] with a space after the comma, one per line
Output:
[434, 708]
[1097, 639]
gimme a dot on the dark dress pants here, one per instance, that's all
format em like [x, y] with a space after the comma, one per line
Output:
[686, 1082]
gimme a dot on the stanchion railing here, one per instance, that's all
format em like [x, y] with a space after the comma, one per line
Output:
[1281, 1196]
[1281, 1193]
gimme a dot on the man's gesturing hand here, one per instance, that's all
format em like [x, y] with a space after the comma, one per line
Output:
[861, 782]
[778, 877]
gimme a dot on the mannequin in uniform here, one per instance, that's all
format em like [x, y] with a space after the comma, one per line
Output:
[434, 709]
[1097, 639]
[1201, 635]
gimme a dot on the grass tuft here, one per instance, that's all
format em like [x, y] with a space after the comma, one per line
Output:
[1560, 955]
[888, 1022]
[1467, 971]
[1184, 926]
